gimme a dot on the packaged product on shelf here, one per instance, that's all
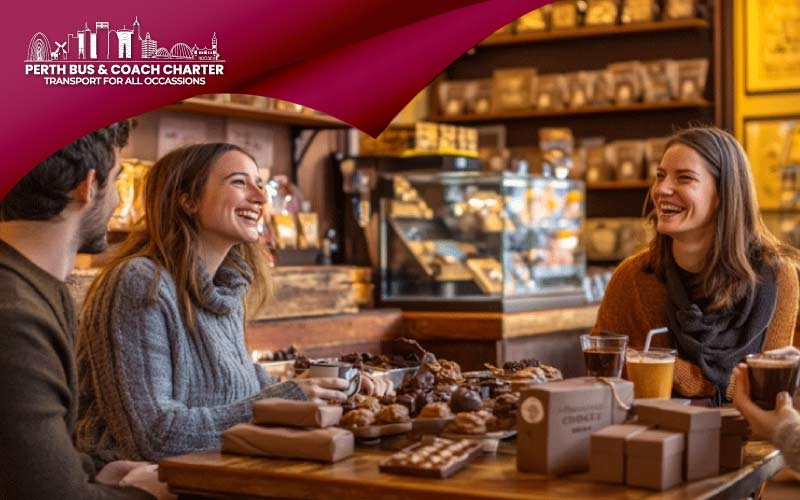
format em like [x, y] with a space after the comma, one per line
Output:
[552, 92]
[596, 168]
[660, 80]
[601, 13]
[513, 88]
[616, 238]
[309, 230]
[467, 139]
[426, 136]
[626, 158]
[638, 11]
[564, 14]
[579, 86]
[653, 151]
[452, 97]
[286, 230]
[601, 87]
[537, 20]
[130, 187]
[692, 74]
[448, 137]
[556, 145]
[479, 96]
[680, 9]
[627, 82]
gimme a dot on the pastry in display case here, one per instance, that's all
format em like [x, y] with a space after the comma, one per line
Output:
[481, 241]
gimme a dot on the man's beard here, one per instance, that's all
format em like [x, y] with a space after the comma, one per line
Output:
[94, 229]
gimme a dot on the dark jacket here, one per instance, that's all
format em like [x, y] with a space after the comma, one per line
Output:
[39, 390]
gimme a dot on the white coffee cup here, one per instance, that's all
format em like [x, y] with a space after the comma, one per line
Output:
[333, 369]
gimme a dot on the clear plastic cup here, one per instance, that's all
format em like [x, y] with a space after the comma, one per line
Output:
[651, 372]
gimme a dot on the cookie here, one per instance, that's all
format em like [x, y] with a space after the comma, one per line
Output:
[358, 418]
[436, 410]
[392, 414]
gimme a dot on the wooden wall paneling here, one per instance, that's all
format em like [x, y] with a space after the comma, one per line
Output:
[374, 327]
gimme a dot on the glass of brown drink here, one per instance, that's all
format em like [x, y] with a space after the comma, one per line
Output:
[651, 372]
[770, 374]
[604, 354]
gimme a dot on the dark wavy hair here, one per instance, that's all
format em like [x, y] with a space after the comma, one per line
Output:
[741, 239]
[44, 192]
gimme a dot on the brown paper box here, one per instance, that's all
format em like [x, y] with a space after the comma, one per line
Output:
[327, 445]
[275, 411]
[647, 410]
[701, 426]
[655, 459]
[607, 461]
[555, 422]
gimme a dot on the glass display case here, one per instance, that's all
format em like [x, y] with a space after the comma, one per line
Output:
[475, 241]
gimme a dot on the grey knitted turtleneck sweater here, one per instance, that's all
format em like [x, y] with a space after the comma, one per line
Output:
[151, 389]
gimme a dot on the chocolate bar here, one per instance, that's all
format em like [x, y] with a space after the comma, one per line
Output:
[274, 411]
[330, 444]
[432, 457]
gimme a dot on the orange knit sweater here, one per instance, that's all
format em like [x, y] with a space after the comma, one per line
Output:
[635, 302]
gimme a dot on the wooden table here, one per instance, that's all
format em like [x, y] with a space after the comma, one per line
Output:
[490, 477]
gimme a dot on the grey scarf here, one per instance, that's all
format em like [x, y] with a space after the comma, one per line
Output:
[717, 341]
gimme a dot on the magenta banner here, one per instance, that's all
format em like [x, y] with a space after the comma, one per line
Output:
[76, 67]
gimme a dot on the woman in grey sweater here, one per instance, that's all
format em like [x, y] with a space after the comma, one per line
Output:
[162, 364]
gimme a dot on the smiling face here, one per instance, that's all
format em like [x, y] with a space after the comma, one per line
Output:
[232, 201]
[685, 195]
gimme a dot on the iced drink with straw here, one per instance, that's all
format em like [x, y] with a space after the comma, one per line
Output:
[651, 369]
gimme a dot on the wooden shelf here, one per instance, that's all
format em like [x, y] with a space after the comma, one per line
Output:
[618, 185]
[595, 31]
[206, 107]
[588, 110]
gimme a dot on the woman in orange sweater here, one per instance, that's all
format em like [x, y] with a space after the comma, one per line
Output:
[714, 275]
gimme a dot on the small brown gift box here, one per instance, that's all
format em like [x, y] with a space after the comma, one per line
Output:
[327, 445]
[273, 411]
[733, 434]
[555, 422]
[607, 462]
[701, 426]
[655, 459]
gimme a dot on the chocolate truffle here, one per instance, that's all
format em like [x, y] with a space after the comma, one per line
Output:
[465, 400]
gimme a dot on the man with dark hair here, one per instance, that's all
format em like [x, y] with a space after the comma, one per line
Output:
[60, 208]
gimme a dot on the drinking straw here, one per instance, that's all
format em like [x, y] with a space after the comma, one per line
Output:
[654, 331]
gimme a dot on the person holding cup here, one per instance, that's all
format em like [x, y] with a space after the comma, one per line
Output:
[779, 422]
[162, 364]
[713, 274]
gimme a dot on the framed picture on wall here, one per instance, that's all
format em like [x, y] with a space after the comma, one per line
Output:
[773, 146]
[772, 46]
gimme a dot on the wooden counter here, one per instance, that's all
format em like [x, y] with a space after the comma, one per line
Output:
[490, 477]
[424, 325]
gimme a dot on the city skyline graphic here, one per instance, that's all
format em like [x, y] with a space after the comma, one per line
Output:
[126, 44]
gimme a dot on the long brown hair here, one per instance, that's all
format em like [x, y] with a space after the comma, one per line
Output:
[170, 234]
[741, 239]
